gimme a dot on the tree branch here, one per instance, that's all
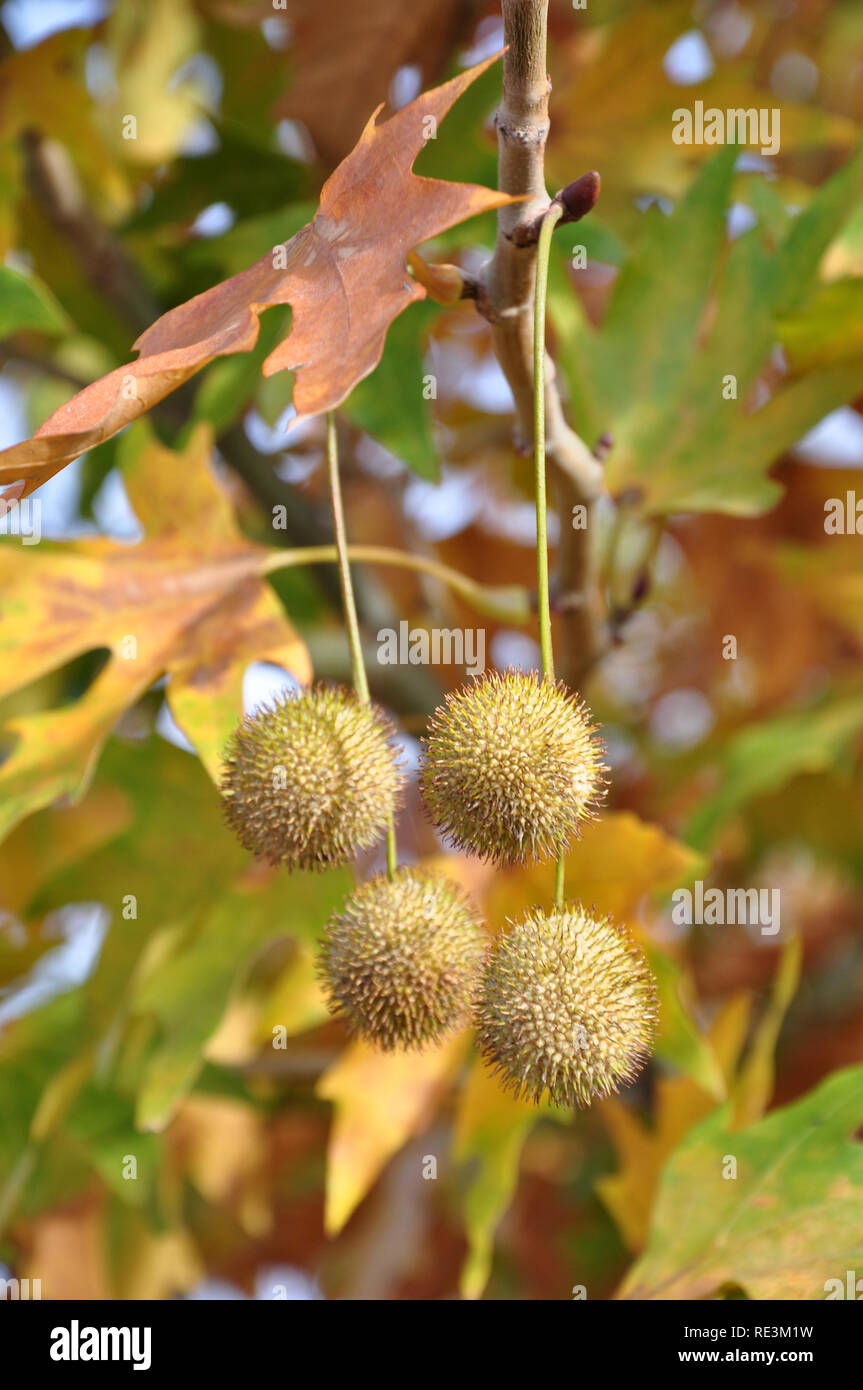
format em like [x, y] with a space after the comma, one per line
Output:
[522, 127]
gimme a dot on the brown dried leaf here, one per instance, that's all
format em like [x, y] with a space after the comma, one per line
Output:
[339, 47]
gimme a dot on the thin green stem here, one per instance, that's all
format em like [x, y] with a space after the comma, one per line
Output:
[358, 665]
[542, 257]
[560, 881]
[543, 251]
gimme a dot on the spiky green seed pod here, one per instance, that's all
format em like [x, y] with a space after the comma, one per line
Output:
[566, 1008]
[511, 768]
[401, 960]
[311, 779]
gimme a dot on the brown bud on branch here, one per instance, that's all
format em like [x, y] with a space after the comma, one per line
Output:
[577, 200]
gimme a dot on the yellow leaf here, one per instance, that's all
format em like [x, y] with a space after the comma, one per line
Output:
[68, 1252]
[381, 1100]
[618, 861]
[224, 1144]
[149, 48]
[296, 1001]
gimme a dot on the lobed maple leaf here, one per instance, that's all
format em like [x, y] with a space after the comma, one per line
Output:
[676, 369]
[344, 276]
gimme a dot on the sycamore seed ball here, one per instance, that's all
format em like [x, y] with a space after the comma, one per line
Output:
[512, 767]
[566, 1008]
[312, 779]
[401, 960]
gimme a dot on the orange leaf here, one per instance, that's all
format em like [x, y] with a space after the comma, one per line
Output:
[344, 275]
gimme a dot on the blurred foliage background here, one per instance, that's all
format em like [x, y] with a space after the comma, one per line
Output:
[147, 967]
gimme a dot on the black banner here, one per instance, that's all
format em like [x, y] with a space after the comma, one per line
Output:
[66, 1339]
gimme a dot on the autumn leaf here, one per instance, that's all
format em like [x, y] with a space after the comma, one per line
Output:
[381, 1100]
[766, 756]
[70, 1250]
[344, 276]
[225, 1141]
[690, 432]
[828, 328]
[149, 50]
[753, 1086]
[614, 101]
[186, 600]
[44, 88]
[655, 863]
[681, 1102]
[791, 1218]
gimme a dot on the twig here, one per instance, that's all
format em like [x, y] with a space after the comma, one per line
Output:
[509, 603]
[522, 127]
[17, 356]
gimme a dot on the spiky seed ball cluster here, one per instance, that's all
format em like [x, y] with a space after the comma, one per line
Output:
[311, 779]
[511, 767]
[402, 958]
[566, 1007]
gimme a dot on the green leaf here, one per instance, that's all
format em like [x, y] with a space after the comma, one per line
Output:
[33, 1051]
[791, 1220]
[390, 404]
[691, 324]
[753, 1085]
[251, 180]
[491, 1130]
[827, 329]
[679, 1041]
[26, 302]
[188, 992]
[101, 1127]
[764, 757]
[231, 383]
